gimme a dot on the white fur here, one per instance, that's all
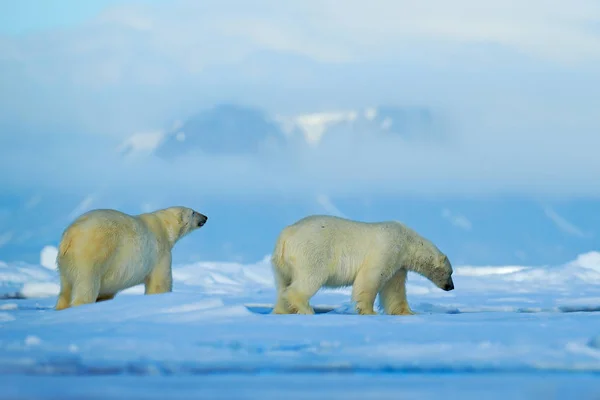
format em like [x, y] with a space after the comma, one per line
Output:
[326, 251]
[105, 251]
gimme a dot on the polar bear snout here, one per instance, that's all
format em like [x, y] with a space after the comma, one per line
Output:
[449, 285]
[200, 219]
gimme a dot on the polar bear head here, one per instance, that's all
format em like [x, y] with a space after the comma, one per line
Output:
[420, 255]
[434, 265]
[441, 273]
[179, 221]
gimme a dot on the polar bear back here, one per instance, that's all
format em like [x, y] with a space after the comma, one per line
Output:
[324, 231]
[119, 247]
[340, 247]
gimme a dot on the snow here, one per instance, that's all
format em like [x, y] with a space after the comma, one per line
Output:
[40, 289]
[32, 341]
[141, 143]
[6, 317]
[516, 331]
[48, 257]
[314, 125]
[370, 113]
[387, 123]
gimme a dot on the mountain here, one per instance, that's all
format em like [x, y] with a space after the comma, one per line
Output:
[223, 129]
[236, 129]
[409, 122]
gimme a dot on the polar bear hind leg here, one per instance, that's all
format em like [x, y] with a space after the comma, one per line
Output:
[303, 287]
[64, 297]
[86, 287]
[282, 282]
[297, 296]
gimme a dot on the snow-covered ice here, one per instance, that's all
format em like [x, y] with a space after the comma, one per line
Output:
[48, 257]
[505, 331]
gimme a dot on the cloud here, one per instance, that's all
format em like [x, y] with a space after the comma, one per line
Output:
[563, 224]
[480, 161]
[196, 36]
[325, 202]
[459, 221]
[135, 64]
[79, 93]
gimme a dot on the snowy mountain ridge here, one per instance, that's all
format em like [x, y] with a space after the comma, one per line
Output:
[228, 128]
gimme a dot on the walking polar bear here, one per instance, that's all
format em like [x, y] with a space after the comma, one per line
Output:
[326, 251]
[106, 251]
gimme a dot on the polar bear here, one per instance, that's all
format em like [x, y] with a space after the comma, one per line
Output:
[326, 251]
[105, 251]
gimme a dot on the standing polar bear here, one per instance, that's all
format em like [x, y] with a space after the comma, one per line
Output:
[326, 251]
[105, 251]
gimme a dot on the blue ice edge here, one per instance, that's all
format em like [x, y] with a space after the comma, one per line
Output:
[76, 367]
[421, 308]
[427, 308]
[61, 364]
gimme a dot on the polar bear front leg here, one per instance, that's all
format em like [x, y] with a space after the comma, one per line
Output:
[393, 295]
[364, 291]
[160, 279]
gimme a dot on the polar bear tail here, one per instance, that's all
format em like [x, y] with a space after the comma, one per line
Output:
[281, 268]
[278, 256]
[63, 249]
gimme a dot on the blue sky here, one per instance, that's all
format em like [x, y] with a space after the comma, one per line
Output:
[27, 16]
[511, 176]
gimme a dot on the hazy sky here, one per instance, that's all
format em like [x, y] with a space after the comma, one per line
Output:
[515, 84]
[517, 80]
